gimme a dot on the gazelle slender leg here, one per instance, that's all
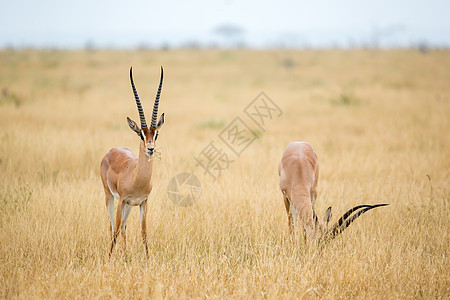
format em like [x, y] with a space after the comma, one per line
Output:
[303, 212]
[289, 210]
[125, 213]
[143, 213]
[110, 208]
[313, 195]
[313, 198]
[118, 225]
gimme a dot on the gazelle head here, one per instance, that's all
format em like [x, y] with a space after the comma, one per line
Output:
[320, 226]
[325, 234]
[148, 135]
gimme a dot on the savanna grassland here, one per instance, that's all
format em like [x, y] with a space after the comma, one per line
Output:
[379, 122]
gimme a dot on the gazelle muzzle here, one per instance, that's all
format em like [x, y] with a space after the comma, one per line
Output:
[150, 151]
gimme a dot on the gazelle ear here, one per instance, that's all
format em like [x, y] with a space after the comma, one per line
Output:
[134, 126]
[161, 121]
[327, 216]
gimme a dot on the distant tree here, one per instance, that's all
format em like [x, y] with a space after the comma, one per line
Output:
[230, 33]
[379, 34]
[89, 45]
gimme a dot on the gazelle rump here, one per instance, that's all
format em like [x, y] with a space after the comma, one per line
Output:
[129, 178]
[299, 174]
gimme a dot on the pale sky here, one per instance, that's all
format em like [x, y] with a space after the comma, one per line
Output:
[127, 24]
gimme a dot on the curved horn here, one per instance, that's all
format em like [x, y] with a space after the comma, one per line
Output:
[345, 216]
[356, 215]
[155, 106]
[138, 102]
[345, 221]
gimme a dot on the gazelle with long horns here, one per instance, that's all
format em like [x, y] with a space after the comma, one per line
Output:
[299, 174]
[129, 178]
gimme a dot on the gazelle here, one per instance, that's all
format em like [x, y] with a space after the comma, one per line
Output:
[299, 173]
[129, 178]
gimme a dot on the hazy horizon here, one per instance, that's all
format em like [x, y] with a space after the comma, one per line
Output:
[253, 24]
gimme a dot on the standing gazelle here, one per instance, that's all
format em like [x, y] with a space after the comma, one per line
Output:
[128, 178]
[299, 173]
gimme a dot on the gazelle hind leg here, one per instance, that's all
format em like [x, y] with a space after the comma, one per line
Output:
[117, 225]
[110, 208]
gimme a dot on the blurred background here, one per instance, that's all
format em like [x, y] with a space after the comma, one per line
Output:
[366, 83]
[224, 23]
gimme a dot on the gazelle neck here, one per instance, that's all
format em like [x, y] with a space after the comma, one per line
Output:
[144, 166]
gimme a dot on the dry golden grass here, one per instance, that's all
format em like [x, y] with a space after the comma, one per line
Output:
[378, 120]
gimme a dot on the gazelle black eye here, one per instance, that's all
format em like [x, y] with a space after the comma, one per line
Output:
[156, 136]
[142, 137]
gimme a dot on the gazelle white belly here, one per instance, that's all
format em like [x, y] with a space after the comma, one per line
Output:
[135, 201]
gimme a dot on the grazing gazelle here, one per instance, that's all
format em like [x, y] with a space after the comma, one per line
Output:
[299, 173]
[129, 178]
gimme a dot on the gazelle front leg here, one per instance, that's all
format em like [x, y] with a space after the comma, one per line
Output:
[125, 213]
[118, 224]
[143, 213]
